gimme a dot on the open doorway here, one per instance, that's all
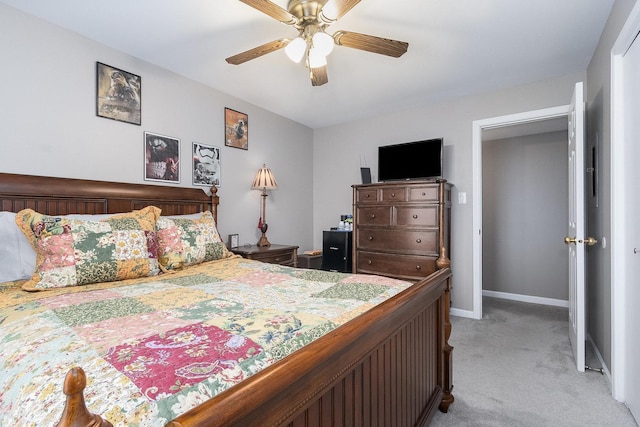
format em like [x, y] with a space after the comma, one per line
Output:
[525, 205]
[484, 130]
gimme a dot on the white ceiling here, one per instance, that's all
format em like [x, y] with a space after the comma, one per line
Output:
[456, 48]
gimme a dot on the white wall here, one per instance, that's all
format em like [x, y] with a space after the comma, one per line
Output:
[338, 149]
[49, 127]
[524, 215]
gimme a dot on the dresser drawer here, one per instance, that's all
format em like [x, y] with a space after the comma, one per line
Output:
[426, 193]
[426, 216]
[274, 254]
[374, 215]
[404, 266]
[420, 241]
[366, 195]
[282, 258]
[394, 194]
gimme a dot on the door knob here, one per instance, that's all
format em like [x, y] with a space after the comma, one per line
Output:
[589, 241]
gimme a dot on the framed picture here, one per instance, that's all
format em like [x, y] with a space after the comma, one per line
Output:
[119, 94]
[161, 158]
[206, 165]
[234, 241]
[236, 129]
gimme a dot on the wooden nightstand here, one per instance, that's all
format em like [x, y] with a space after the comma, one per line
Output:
[274, 254]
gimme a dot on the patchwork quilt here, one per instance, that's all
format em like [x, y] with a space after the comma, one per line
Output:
[155, 347]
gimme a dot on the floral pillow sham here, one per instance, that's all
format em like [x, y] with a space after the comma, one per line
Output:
[72, 252]
[183, 242]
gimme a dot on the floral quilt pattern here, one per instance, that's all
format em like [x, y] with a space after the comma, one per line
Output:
[155, 347]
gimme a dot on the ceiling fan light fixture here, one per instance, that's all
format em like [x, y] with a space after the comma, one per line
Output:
[329, 12]
[316, 58]
[311, 19]
[295, 49]
[323, 42]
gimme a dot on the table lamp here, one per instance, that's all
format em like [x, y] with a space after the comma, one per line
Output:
[264, 181]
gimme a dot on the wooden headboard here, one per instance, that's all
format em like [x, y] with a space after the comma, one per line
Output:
[61, 196]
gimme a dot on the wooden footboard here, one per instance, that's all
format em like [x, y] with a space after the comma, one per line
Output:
[386, 367]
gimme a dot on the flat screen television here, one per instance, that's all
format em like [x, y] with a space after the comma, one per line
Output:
[410, 160]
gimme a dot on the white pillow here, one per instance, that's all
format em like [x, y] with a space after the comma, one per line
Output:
[17, 257]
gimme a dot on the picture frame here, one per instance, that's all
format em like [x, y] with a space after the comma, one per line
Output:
[161, 158]
[118, 94]
[206, 169]
[236, 129]
[234, 241]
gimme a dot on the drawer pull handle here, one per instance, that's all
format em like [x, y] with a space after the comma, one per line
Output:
[277, 259]
[415, 216]
[418, 240]
[418, 267]
[370, 238]
[393, 194]
[333, 248]
[367, 196]
[424, 194]
[369, 262]
[373, 216]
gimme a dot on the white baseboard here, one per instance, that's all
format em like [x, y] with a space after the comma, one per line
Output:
[461, 313]
[526, 298]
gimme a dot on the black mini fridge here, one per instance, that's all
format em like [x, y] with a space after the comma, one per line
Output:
[336, 251]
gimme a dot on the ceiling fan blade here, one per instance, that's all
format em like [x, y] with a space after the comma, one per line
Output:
[373, 44]
[336, 9]
[318, 76]
[257, 52]
[272, 9]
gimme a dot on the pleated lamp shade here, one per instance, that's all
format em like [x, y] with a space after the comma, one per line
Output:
[264, 180]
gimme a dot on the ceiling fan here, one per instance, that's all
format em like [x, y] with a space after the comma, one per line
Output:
[311, 18]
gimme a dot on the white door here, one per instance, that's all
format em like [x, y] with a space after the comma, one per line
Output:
[631, 207]
[575, 238]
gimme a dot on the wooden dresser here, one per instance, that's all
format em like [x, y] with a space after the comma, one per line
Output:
[400, 228]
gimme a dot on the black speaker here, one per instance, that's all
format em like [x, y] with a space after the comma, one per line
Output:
[365, 173]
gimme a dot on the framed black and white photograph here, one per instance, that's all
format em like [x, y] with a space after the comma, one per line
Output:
[236, 129]
[206, 165]
[162, 158]
[119, 94]
[234, 241]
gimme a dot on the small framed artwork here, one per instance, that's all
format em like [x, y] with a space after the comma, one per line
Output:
[161, 158]
[119, 94]
[206, 165]
[236, 129]
[234, 241]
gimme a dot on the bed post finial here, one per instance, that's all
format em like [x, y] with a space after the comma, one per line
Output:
[215, 200]
[75, 410]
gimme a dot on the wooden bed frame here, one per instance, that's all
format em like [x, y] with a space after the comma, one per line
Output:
[390, 366]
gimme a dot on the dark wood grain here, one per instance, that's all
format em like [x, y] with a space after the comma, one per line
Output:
[61, 196]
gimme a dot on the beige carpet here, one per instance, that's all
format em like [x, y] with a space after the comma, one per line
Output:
[515, 368]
